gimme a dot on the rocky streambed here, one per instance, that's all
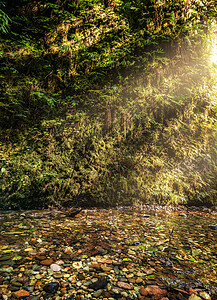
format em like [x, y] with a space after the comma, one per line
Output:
[126, 253]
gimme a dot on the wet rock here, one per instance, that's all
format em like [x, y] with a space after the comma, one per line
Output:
[106, 268]
[154, 289]
[87, 283]
[205, 295]
[77, 264]
[106, 294]
[51, 287]
[97, 293]
[68, 250]
[14, 282]
[47, 262]
[139, 280]
[131, 252]
[21, 294]
[117, 290]
[99, 284]
[194, 297]
[6, 270]
[116, 269]
[124, 285]
[55, 267]
[58, 276]
[213, 227]
[23, 279]
[183, 215]
[130, 275]
[143, 291]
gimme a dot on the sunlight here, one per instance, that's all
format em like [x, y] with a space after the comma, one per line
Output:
[213, 57]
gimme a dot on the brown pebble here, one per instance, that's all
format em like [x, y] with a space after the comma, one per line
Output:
[47, 262]
[63, 290]
[139, 280]
[124, 285]
[143, 291]
[154, 289]
[64, 284]
[41, 257]
[23, 279]
[95, 265]
[22, 294]
[106, 294]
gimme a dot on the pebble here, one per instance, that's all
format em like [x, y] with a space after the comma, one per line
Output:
[117, 290]
[154, 289]
[130, 275]
[97, 293]
[194, 297]
[68, 250]
[47, 262]
[21, 294]
[124, 285]
[55, 267]
[87, 283]
[143, 291]
[124, 294]
[213, 227]
[139, 280]
[99, 284]
[205, 295]
[51, 287]
[57, 276]
[6, 270]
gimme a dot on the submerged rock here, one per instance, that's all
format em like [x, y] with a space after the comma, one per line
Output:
[213, 227]
[100, 284]
[21, 294]
[194, 297]
[51, 287]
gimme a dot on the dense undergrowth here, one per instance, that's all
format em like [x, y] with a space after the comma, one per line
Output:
[107, 103]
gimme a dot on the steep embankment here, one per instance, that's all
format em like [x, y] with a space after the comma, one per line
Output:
[107, 103]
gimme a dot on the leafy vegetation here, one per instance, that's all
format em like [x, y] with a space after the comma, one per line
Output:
[4, 23]
[107, 103]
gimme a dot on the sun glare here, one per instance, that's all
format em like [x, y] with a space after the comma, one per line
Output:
[213, 57]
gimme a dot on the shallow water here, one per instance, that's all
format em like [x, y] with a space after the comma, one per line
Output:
[173, 248]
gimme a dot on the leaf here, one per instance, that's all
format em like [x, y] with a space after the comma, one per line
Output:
[103, 252]
[192, 259]
[152, 250]
[17, 258]
[7, 251]
[3, 170]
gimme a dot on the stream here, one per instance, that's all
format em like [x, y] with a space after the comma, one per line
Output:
[124, 253]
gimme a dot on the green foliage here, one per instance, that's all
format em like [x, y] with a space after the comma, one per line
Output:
[95, 110]
[4, 23]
